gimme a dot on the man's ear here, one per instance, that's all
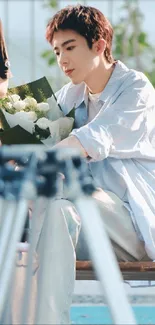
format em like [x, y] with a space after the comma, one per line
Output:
[99, 46]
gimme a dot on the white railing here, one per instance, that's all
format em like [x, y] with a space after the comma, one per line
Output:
[20, 186]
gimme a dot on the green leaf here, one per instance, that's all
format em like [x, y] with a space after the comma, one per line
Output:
[51, 60]
[46, 54]
[51, 3]
[40, 133]
[49, 56]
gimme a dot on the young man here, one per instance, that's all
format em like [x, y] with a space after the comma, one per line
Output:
[114, 116]
[115, 131]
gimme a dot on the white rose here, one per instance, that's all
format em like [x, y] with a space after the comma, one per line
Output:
[14, 98]
[20, 105]
[30, 101]
[43, 107]
[43, 123]
[30, 116]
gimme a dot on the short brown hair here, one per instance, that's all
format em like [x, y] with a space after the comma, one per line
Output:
[87, 21]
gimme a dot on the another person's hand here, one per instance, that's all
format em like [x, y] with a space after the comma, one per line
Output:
[3, 87]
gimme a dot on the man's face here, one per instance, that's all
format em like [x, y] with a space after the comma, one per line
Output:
[74, 56]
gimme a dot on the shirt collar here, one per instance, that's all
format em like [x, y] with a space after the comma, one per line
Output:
[77, 94]
[83, 97]
[115, 81]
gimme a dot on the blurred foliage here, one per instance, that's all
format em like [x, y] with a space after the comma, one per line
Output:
[48, 55]
[151, 74]
[130, 40]
[131, 44]
[51, 3]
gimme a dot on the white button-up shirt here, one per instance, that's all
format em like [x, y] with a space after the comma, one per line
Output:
[120, 142]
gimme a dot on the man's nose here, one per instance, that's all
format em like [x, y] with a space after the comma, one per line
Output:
[63, 59]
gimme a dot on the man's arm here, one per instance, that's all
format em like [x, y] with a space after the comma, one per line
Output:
[71, 142]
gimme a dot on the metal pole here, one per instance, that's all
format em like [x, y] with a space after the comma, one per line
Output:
[79, 186]
[110, 10]
[22, 208]
[32, 40]
[31, 251]
[104, 262]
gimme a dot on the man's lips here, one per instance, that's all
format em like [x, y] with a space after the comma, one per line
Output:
[68, 72]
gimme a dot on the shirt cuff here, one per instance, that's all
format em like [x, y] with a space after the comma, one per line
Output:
[95, 140]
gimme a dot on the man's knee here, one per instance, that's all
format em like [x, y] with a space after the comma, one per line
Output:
[59, 203]
[65, 210]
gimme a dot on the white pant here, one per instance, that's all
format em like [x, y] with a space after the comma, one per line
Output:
[64, 234]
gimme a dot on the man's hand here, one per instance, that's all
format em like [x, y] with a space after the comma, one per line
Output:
[71, 142]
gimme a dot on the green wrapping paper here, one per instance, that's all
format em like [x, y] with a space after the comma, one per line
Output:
[40, 89]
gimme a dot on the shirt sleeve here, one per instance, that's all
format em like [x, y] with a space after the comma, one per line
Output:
[121, 130]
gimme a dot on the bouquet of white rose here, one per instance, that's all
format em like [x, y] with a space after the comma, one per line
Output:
[28, 116]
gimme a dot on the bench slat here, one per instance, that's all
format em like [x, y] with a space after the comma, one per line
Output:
[130, 270]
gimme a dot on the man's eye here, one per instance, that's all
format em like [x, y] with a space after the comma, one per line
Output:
[70, 48]
[57, 53]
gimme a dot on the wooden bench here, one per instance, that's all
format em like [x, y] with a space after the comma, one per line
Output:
[130, 270]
